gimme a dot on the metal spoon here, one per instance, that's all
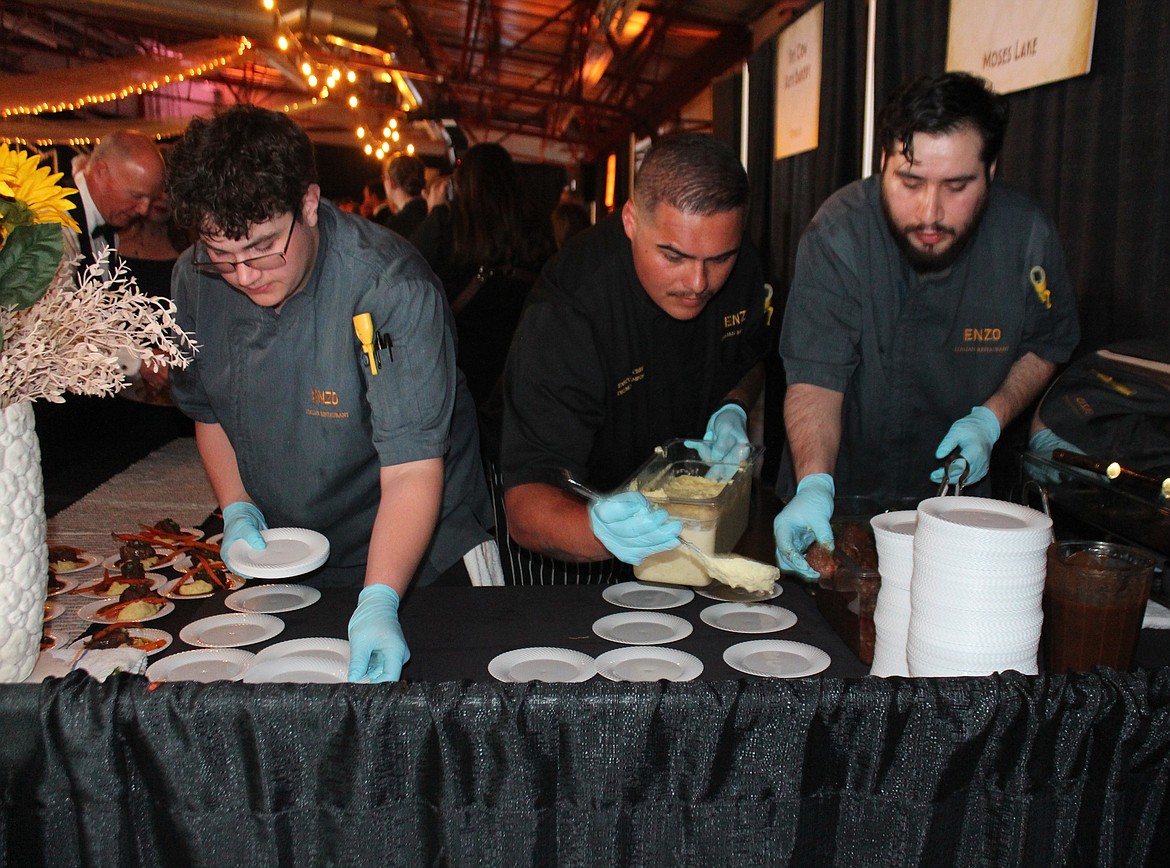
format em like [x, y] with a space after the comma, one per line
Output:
[736, 571]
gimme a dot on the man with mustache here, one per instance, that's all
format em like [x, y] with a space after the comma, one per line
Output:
[647, 327]
[929, 306]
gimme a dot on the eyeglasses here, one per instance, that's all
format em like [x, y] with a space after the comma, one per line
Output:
[262, 263]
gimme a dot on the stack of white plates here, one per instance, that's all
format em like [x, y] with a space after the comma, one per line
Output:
[978, 581]
[893, 532]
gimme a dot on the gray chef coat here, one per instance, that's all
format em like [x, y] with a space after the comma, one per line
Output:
[913, 353]
[310, 425]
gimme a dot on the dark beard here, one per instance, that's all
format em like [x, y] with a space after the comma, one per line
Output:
[924, 262]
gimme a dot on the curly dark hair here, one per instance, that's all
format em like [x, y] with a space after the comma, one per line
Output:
[242, 167]
[942, 103]
[693, 172]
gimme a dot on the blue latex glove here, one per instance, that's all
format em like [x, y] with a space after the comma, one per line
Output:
[1044, 442]
[630, 528]
[377, 648]
[725, 443]
[242, 520]
[803, 521]
[974, 434]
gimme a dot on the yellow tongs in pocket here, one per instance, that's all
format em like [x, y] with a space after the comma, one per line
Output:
[952, 458]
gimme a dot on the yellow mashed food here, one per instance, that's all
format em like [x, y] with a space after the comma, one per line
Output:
[690, 487]
[137, 611]
[195, 586]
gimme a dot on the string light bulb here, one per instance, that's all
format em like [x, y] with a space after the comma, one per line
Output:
[353, 102]
[282, 42]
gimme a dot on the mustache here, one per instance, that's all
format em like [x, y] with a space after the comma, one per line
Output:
[705, 295]
[930, 227]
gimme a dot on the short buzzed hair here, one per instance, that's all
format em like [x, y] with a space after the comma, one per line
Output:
[693, 172]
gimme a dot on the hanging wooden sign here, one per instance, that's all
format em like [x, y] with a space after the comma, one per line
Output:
[798, 84]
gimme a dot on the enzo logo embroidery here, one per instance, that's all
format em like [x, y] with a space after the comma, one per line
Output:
[319, 396]
[734, 319]
[982, 335]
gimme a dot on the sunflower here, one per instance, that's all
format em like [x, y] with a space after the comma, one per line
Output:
[24, 180]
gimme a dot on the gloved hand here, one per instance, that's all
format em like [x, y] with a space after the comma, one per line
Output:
[242, 520]
[1044, 442]
[377, 648]
[803, 521]
[725, 443]
[630, 528]
[974, 434]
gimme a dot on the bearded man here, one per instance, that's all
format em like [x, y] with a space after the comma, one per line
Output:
[929, 307]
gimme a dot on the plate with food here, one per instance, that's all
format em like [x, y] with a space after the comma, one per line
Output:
[166, 533]
[156, 560]
[53, 608]
[122, 611]
[68, 559]
[195, 585]
[112, 585]
[231, 630]
[728, 594]
[59, 585]
[147, 639]
[203, 664]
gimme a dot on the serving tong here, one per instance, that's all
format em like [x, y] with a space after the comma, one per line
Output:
[953, 457]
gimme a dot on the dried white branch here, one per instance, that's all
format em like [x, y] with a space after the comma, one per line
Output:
[70, 340]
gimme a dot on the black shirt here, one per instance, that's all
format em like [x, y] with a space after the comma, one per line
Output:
[599, 375]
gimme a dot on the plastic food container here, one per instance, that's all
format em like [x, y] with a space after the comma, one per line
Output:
[847, 600]
[714, 514]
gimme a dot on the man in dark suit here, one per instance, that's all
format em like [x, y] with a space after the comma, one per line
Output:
[116, 184]
[404, 177]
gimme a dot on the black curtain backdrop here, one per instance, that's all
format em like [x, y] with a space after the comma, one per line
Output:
[1091, 150]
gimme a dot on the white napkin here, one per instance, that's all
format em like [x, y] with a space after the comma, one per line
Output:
[100, 663]
[1157, 616]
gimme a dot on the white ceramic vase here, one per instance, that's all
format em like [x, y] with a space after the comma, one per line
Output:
[24, 560]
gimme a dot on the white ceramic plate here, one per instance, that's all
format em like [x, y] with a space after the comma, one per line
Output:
[168, 589]
[205, 664]
[728, 594]
[334, 649]
[748, 617]
[776, 658]
[214, 539]
[639, 595]
[53, 608]
[272, 598]
[89, 613]
[63, 585]
[157, 580]
[291, 551]
[145, 634]
[114, 564]
[297, 669]
[231, 630]
[542, 664]
[649, 663]
[85, 560]
[642, 628]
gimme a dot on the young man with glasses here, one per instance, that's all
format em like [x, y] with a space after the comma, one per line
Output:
[296, 424]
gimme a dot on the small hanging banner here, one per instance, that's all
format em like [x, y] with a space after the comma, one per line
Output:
[798, 84]
[1017, 44]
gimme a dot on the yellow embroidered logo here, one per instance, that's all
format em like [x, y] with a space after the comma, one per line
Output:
[320, 396]
[636, 375]
[734, 319]
[1039, 281]
[768, 292]
[982, 335]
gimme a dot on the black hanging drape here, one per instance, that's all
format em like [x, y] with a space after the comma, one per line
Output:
[1005, 771]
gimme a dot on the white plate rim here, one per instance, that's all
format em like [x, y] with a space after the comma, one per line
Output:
[682, 627]
[53, 609]
[88, 612]
[267, 668]
[68, 584]
[314, 645]
[617, 595]
[711, 615]
[190, 632]
[226, 655]
[614, 656]
[734, 655]
[500, 665]
[143, 632]
[776, 591]
[90, 559]
[309, 537]
[157, 580]
[310, 595]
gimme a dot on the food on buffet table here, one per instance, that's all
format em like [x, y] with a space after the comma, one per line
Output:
[855, 540]
[112, 585]
[56, 586]
[64, 559]
[168, 526]
[132, 610]
[127, 636]
[193, 587]
[822, 560]
[687, 486]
